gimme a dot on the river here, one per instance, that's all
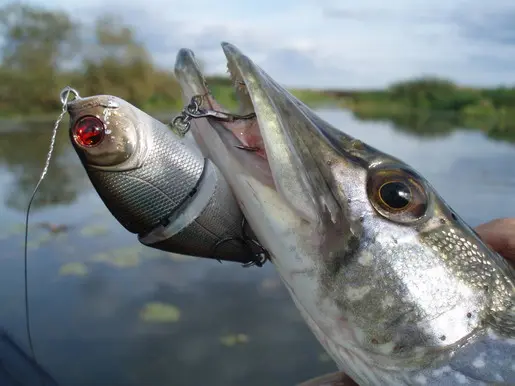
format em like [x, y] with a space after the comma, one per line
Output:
[93, 287]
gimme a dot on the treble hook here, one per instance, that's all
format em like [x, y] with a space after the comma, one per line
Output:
[259, 253]
[192, 110]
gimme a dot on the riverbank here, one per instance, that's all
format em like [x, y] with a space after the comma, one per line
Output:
[497, 123]
[427, 107]
[118, 63]
[221, 89]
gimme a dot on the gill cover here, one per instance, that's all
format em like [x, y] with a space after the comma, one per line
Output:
[156, 183]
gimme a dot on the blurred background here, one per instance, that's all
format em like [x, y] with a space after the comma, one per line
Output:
[431, 82]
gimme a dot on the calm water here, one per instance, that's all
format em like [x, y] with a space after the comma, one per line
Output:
[90, 286]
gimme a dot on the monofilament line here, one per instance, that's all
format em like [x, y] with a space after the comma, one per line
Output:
[65, 95]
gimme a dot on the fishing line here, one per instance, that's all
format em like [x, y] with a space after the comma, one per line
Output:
[65, 96]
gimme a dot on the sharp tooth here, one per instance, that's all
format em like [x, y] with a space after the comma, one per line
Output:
[237, 81]
[241, 90]
[240, 85]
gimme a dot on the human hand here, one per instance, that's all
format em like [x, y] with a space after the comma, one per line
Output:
[499, 234]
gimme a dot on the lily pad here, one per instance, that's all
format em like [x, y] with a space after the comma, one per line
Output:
[121, 258]
[157, 312]
[73, 269]
[234, 339]
[128, 257]
[13, 230]
[37, 242]
[94, 230]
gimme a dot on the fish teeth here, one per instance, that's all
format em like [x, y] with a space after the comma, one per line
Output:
[238, 83]
[242, 87]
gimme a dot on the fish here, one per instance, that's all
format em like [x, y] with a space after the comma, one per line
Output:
[393, 283]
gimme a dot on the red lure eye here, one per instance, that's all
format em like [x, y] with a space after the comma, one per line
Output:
[89, 131]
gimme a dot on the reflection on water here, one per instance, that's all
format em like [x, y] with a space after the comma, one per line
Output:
[22, 152]
[425, 123]
[105, 309]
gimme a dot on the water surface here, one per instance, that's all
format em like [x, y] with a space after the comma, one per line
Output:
[93, 287]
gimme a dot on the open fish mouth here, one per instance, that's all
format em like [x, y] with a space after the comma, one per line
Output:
[246, 131]
[283, 138]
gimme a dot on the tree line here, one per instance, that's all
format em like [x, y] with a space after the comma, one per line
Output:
[44, 50]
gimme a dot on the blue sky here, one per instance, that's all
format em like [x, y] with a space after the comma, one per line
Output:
[329, 43]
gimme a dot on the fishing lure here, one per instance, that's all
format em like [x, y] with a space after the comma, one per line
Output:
[154, 180]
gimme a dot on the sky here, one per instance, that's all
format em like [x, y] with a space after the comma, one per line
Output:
[328, 43]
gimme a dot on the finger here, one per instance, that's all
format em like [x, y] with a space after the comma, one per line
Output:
[500, 235]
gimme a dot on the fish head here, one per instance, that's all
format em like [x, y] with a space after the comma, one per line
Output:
[104, 131]
[380, 266]
[141, 169]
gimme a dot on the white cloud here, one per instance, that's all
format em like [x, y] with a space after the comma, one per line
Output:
[334, 43]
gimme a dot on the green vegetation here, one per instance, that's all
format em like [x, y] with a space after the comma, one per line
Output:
[38, 241]
[157, 312]
[41, 45]
[125, 257]
[11, 230]
[94, 230]
[130, 256]
[234, 339]
[419, 104]
[45, 50]
[73, 269]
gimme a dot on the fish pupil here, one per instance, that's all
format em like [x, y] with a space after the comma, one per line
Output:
[395, 194]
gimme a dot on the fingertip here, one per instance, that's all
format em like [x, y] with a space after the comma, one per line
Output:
[499, 234]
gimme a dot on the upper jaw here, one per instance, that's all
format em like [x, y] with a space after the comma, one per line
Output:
[188, 74]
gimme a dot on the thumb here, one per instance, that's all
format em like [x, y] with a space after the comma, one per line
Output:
[500, 235]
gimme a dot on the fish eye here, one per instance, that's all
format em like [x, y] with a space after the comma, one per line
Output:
[104, 142]
[89, 131]
[397, 194]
